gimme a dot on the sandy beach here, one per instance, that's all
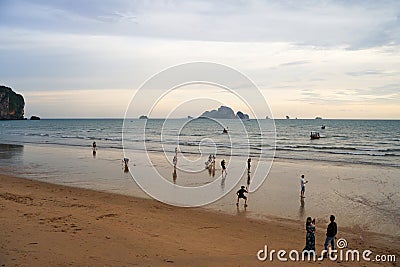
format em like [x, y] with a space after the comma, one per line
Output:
[46, 224]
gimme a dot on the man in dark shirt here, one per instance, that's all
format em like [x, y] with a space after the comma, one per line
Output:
[331, 232]
[240, 194]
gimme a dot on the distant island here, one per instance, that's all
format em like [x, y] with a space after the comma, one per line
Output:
[34, 118]
[11, 104]
[143, 117]
[224, 112]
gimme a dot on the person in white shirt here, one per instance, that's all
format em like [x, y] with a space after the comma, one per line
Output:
[303, 185]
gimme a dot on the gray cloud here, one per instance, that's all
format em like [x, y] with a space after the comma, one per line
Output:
[370, 72]
[354, 24]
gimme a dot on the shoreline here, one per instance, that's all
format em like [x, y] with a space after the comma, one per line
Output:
[137, 150]
[359, 196]
[87, 227]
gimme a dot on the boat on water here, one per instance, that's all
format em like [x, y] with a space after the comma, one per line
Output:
[323, 127]
[315, 135]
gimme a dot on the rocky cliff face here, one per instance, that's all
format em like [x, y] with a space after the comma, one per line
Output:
[242, 115]
[11, 104]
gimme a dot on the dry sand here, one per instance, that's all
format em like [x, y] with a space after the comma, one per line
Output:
[50, 225]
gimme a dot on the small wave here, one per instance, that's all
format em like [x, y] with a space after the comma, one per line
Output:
[73, 137]
[37, 134]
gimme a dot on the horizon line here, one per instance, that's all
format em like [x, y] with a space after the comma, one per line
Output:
[182, 118]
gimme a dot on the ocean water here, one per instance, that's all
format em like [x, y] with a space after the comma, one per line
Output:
[348, 141]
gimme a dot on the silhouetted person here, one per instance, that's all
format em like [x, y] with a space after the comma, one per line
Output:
[126, 166]
[248, 164]
[175, 160]
[94, 146]
[223, 167]
[240, 194]
[331, 232]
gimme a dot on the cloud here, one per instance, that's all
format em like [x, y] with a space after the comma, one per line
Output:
[371, 72]
[351, 24]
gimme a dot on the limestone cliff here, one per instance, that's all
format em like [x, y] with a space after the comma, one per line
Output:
[224, 112]
[242, 115]
[11, 104]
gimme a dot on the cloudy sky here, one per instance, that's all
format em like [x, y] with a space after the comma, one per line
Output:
[335, 59]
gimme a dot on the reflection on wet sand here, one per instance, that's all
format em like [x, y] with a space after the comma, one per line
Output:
[174, 175]
[302, 209]
[11, 151]
[241, 212]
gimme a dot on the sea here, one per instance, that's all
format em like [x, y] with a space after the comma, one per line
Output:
[353, 168]
[349, 141]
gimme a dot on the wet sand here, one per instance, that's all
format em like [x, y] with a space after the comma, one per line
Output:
[365, 197]
[45, 224]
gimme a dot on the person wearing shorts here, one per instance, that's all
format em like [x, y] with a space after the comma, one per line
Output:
[302, 186]
[240, 194]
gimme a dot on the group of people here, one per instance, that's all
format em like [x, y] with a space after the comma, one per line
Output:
[125, 161]
[331, 232]
[210, 165]
[241, 194]
[310, 226]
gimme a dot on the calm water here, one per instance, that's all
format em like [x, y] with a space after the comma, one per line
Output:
[350, 141]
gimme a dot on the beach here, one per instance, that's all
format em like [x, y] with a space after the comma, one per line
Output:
[48, 224]
[62, 204]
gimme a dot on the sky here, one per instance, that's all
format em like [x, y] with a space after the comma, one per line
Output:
[87, 59]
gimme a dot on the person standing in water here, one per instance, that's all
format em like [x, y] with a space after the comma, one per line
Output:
[175, 160]
[240, 194]
[94, 146]
[248, 165]
[223, 167]
[303, 186]
[125, 161]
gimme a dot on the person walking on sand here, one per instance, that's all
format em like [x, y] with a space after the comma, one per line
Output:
[248, 165]
[331, 232]
[303, 185]
[240, 194]
[223, 167]
[125, 161]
